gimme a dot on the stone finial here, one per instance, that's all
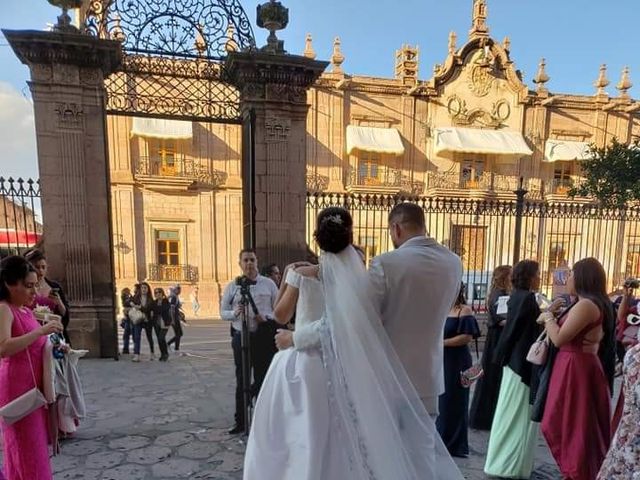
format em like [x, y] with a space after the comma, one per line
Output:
[506, 44]
[200, 44]
[453, 38]
[231, 45]
[602, 82]
[479, 26]
[625, 83]
[541, 77]
[337, 59]
[274, 17]
[65, 24]
[309, 52]
[407, 65]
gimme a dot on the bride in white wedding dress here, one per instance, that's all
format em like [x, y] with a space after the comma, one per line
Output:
[338, 405]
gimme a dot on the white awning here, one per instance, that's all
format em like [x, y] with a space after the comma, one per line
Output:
[476, 140]
[372, 139]
[564, 151]
[160, 128]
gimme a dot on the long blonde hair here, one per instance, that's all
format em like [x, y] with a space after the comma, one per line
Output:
[500, 280]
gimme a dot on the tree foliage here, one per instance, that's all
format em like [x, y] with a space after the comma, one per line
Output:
[612, 175]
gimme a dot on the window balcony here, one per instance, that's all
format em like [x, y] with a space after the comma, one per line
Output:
[177, 170]
[382, 179]
[560, 187]
[172, 273]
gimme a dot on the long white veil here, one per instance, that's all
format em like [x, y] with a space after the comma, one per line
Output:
[384, 427]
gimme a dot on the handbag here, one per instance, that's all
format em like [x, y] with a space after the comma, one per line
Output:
[26, 403]
[470, 375]
[539, 350]
[136, 316]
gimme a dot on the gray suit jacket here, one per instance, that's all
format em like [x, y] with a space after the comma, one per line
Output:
[414, 288]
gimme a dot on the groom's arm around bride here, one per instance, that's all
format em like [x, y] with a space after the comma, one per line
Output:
[413, 287]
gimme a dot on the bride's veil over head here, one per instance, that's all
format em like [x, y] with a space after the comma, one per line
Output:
[382, 424]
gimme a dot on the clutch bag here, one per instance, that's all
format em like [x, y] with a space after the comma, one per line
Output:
[22, 406]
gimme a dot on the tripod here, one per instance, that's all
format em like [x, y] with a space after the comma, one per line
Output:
[245, 342]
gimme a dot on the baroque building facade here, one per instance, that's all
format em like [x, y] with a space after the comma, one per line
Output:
[471, 131]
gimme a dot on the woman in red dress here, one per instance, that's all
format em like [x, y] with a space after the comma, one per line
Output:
[576, 421]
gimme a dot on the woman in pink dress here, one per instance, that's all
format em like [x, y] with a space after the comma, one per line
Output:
[576, 416]
[22, 339]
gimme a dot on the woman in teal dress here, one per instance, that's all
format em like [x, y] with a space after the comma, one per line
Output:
[513, 434]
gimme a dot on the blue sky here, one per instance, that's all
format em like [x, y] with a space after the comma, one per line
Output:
[575, 36]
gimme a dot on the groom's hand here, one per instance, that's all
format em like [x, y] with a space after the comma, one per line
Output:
[284, 339]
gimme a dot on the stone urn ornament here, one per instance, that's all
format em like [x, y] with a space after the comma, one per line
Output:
[64, 20]
[273, 16]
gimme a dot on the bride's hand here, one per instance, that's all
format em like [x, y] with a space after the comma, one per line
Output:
[284, 339]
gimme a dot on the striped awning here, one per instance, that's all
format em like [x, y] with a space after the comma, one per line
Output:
[565, 151]
[374, 139]
[478, 140]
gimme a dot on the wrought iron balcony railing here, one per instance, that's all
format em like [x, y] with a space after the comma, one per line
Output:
[561, 187]
[178, 167]
[485, 182]
[172, 273]
[384, 176]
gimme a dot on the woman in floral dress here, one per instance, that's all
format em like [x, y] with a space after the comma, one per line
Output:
[623, 460]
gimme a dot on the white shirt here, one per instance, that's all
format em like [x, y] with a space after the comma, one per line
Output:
[264, 294]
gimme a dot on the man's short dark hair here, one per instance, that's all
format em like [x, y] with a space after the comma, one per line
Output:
[408, 214]
[268, 270]
[247, 250]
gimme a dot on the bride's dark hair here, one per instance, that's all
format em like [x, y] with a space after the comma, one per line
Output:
[334, 229]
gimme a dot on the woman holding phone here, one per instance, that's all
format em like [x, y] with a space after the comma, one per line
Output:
[48, 292]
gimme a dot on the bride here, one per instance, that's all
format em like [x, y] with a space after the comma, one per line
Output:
[338, 405]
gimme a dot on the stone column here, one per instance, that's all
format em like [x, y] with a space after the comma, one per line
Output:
[273, 95]
[67, 84]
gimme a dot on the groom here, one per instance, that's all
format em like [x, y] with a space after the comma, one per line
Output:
[414, 287]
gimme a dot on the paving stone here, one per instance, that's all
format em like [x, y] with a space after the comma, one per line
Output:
[176, 468]
[149, 455]
[198, 450]
[130, 442]
[105, 459]
[63, 462]
[174, 439]
[83, 447]
[125, 472]
[82, 474]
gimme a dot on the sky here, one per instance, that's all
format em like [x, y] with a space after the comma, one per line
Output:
[575, 37]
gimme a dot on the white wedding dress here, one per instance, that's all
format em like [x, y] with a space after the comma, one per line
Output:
[339, 406]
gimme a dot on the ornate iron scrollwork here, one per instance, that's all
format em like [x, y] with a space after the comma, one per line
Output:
[173, 65]
[174, 28]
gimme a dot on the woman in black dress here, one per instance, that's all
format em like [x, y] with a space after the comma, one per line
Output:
[460, 329]
[485, 397]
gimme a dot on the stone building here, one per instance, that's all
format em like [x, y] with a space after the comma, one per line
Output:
[470, 131]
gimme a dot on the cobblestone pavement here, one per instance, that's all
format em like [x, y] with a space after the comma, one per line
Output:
[165, 421]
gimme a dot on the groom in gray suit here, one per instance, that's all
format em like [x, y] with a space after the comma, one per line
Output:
[414, 288]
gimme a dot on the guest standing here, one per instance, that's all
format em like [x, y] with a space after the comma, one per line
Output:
[576, 415]
[272, 271]
[513, 435]
[49, 293]
[22, 340]
[264, 293]
[485, 397]
[621, 463]
[162, 319]
[142, 302]
[125, 323]
[453, 422]
[177, 317]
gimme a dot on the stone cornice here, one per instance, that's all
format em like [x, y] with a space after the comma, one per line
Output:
[34, 47]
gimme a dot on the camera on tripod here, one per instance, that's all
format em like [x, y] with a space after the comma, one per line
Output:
[244, 283]
[632, 283]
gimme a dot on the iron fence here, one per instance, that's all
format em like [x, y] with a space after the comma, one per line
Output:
[484, 233]
[172, 273]
[20, 215]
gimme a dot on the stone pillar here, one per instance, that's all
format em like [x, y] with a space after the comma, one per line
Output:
[67, 84]
[273, 95]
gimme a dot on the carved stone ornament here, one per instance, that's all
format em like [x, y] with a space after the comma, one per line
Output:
[277, 129]
[70, 115]
[480, 77]
[461, 115]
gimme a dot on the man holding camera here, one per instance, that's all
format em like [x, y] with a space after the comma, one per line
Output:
[254, 295]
